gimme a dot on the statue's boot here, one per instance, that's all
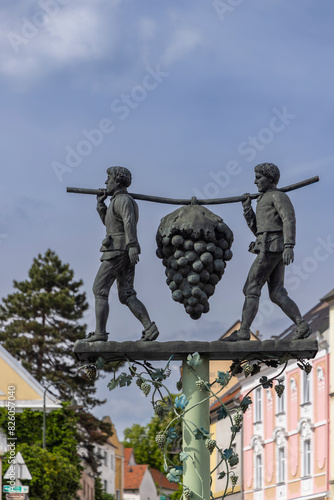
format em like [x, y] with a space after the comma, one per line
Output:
[237, 335]
[303, 331]
[96, 337]
[151, 333]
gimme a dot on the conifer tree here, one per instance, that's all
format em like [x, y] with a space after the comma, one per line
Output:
[40, 323]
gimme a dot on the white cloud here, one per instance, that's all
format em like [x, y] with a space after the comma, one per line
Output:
[184, 40]
[75, 36]
[42, 43]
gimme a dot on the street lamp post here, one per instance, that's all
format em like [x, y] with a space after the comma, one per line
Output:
[73, 406]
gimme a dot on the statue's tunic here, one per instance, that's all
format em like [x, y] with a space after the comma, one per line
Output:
[274, 224]
[120, 219]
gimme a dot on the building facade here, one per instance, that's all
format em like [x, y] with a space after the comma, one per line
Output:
[286, 445]
[287, 448]
[112, 463]
[138, 481]
[18, 385]
[107, 457]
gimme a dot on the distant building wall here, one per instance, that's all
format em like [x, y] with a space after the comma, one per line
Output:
[221, 430]
[87, 491]
[285, 450]
[147, 489]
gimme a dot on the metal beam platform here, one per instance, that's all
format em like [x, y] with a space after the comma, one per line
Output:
[216, 350]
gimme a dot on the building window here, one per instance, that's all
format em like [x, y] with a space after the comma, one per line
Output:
[258, 472]
[106, 459]
[105, 483]
[112, 462]
[307, 458]
[118, 495]
[258, 404]
[306, 388]
[281, 466]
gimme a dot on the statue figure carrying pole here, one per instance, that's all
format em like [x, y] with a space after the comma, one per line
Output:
[274, 226]
[120, 254]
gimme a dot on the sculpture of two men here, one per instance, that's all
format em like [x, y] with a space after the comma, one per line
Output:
[273, 224]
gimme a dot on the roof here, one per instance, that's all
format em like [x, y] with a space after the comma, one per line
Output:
[133, 473]
[127, 455]
[51, 401]
[161, 480]
[133, 476]
[329, 296]
[317, 317]
[113, 439]
[234, 392]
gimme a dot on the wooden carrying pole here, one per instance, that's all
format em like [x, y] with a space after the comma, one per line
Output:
[213, 201]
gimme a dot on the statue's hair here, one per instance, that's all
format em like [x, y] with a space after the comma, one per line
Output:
[269, 170]
[121, 175]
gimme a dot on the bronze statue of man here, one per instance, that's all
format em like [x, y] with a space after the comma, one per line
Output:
[274, 226]
[120, 254]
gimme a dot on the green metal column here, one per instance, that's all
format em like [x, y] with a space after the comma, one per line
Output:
[196, 476]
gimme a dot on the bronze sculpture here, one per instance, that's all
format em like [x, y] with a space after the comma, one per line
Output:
[120, 254]
[274, 226]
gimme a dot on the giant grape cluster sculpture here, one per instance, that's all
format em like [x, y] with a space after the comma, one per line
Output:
[194, 245]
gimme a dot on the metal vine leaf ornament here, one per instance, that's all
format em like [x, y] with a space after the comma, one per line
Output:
[194, 245]
[151, 381]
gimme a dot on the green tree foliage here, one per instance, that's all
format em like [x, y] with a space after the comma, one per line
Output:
[39, 324]
[178, 494]
[53, 476]
[142, 440]
[62, 433]
[56, 470]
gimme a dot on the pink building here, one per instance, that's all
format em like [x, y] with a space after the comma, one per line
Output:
[288, 448]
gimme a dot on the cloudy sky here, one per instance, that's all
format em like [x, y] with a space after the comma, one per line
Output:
[189, 96]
